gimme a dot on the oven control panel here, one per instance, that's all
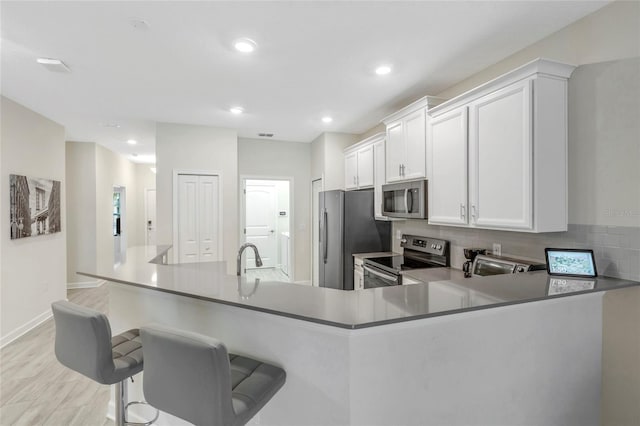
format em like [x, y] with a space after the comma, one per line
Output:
[424, 244]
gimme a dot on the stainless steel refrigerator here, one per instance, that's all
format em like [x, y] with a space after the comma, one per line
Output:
[347, 226]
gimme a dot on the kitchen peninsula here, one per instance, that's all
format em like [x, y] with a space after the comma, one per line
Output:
[494, 350]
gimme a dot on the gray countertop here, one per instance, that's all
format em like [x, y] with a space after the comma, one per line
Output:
[375, 254]
[444, 291]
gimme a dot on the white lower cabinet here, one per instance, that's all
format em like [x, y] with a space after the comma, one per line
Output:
[498, 154]
[358, 274]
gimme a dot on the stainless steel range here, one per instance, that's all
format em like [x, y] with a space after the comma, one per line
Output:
[419, 253]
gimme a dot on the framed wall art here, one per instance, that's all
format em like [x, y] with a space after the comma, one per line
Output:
[34, 205]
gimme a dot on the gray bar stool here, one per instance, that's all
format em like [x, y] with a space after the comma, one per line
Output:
[84, 344]
[192, 376]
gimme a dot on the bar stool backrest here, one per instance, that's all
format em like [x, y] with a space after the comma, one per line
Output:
[83, 341]
[187, 375]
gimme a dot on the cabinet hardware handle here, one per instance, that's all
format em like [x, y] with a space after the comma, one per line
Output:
[473, 211]
[463, 211]
[399, 169]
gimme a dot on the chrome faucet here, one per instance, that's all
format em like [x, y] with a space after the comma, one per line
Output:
[255, 251]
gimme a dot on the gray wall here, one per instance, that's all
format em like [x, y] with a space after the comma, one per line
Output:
[91, 173]
[198, 148]
[33, 270]
[276, 159]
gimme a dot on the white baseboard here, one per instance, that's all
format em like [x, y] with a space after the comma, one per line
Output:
[13, 335]
[85, 284]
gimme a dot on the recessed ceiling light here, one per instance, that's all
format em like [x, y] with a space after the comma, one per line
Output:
[245, 45]
[52, 64]
[134, 154]
[236, 110]
[132, 142]
[327, 119]
[383, 70]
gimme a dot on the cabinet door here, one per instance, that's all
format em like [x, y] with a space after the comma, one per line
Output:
[208, 218]
[395, 151]
[415, 146]
[378, 178]
[351, 170]
[364, 177]
[358, 279]
[501, 157]
[447, 157]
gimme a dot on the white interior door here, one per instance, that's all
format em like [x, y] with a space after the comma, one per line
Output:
[188, 247]
[260, 224]
[208, 218]
[198, 218]
[150, 216]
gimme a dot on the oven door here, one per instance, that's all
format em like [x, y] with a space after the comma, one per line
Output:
[375, 277]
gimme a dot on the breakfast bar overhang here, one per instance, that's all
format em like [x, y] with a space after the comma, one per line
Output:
[503, 351]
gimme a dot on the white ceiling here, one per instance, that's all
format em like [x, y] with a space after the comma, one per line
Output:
[313, 59]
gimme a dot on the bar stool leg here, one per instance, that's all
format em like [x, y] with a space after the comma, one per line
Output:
[121, 403]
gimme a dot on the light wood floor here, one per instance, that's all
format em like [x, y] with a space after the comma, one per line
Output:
[35, 389]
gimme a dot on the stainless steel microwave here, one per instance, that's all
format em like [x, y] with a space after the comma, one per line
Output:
[405, 199]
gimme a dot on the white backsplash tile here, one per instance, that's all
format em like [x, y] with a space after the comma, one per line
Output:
[617, 248]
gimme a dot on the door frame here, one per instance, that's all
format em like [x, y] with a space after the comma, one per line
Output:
[175, 233]
[146, 215]
[243, 216]
[314, 244]
[122, 189]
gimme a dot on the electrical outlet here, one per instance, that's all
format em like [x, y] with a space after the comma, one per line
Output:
[398, 234]
[497, 249]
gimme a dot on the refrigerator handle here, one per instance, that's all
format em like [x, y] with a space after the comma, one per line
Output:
[326, 237]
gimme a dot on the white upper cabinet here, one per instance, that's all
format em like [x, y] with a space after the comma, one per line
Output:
[447, 155]
[378, 175]
[501, 158]
[359, 164]
[351, 170]
[414, 165]
[406, 141]
[498, 153]
[364, 165]
[395, 151]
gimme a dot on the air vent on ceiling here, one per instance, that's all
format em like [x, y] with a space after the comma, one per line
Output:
[265, 135]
